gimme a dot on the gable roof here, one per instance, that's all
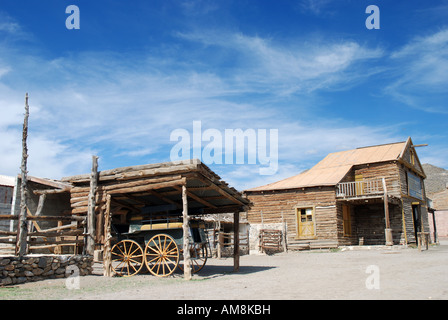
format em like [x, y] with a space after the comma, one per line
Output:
[332, 169]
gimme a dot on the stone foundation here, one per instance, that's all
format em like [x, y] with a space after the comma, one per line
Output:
[16, 270]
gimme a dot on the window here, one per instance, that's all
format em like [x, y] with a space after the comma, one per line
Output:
[414, 185]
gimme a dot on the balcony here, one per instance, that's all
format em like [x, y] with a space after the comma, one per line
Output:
[360, 189]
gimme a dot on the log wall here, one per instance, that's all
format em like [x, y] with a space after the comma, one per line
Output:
[270, 206]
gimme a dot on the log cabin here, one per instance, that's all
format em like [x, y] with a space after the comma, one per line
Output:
[371, 195]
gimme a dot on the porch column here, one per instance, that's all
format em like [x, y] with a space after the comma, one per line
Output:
[388, 230]
[186, 232]
[236, 241]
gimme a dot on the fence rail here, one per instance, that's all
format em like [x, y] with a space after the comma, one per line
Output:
[53, 238]
[359, 188]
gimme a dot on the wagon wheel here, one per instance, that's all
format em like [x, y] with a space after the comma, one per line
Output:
[127, 258]
[198, 257]
[161, 255]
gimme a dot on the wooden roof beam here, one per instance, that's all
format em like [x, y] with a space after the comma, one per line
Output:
[195, 197]
[161, 197]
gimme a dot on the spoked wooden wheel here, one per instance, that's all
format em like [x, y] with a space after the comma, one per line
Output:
[161, 255]
[198, 257]
[127, 258]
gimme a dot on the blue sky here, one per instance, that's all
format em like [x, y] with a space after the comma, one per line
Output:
[137, 70]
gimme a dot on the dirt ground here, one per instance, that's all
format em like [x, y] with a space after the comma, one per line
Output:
[359, 274]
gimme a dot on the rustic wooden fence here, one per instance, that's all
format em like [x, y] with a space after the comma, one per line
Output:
[271, 240]
[70, 231]
[222, 243]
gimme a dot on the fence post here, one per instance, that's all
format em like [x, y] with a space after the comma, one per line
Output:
[90, 246]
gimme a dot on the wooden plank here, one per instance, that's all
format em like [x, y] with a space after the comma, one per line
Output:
[8, 233]
[8, 217]
[221, 191]
[56, 242]
[68, 233]
[148, 187]
[198, 199]
[133, 172]
[167, 200]
[55, 218]
[52, 191]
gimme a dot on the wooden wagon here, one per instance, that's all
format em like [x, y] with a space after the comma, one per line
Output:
[157, 245]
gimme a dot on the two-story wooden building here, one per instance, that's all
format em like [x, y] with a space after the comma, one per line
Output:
[371, 195]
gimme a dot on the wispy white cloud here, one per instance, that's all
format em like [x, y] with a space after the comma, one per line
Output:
[295, 68]
[315, 6]
[422, 73]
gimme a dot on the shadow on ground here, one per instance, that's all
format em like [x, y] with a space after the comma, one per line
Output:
[208, 271]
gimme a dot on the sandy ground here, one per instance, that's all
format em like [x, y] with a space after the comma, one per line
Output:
[398, 273]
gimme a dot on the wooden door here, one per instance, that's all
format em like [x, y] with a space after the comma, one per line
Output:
[306, 225]
[346, 220]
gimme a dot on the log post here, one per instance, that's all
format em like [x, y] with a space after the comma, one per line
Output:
[236, 241]
[22, 225]
[285, 248]
[186, 231]
[90, 245]
[388, 230]
[107, 259]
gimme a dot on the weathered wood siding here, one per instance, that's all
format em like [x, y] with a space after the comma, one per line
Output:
[270, 206]
[386, 170]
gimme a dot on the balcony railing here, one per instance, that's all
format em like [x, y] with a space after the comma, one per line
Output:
[358, 189]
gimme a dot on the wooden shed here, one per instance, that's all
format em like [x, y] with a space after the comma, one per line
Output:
[371, 195]
[171, 189]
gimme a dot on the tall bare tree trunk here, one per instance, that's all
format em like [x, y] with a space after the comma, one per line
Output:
[22, 225]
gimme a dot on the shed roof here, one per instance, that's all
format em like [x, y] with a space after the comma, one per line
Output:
[160, 184]
[330, 170]
[7, 181]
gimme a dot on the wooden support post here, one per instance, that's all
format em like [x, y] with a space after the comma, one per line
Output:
[22, 225]
[285, 248]
[220, 244]
[388, 230]
[90, 246]
[107, 259]
[186, 231]
[236, 241]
